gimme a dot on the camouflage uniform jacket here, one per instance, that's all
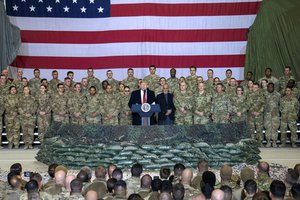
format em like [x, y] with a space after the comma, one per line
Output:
[110, 104]
[255, 102]
[289, 108]
[114, 83]
[59, 103]
[11, 103]
[220, 104]
[272, 104]
[152, 81]
[93, 81]
[43, 101]
[4, 89]
[77, 103]
[12, 194]
[263, 182]
[27, 105]
[131, 82]
[34, 85]
[94, 105]
[203, 103]
[184, 100]
[52, 86]
[192, 82]
[283, 80]
[173, 84]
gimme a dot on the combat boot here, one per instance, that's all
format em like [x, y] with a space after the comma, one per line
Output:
[30, 146]
[294, 145]
[26, 146]
[268, 145]
[283, 144]
[16, 146]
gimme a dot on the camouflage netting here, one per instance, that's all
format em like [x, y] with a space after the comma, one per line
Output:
[153, 146]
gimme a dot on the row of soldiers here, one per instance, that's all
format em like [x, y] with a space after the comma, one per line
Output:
[26, 103]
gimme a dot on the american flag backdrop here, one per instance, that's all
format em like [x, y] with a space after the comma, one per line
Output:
[118, 34]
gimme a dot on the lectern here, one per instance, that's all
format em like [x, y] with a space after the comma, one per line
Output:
[145, 111]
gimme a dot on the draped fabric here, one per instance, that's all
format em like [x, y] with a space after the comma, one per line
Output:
[10, 39]
[273, 40]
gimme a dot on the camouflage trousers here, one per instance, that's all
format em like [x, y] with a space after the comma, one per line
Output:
[201, 119]
[256, 123]
[77, 120]
[183, 118]
[283, 128]
[62, 119]
[125, 119]
[113, 121]
[12, 129]
[271, 124]
[28, 125]
[93, 120]
[220, 118]
[234, 118]
[43, 122]
[1, 129]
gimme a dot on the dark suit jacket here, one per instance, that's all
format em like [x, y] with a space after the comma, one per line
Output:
[135, 98]
[164, 106]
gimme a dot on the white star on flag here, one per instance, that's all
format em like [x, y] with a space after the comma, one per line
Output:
[23, 0]
[83, 9]
[57, 1]
[49, 9]
[100, 10]
[92, 1]
[66, 9]
[74, 1]
[15, 7]
[40, 1]
[32, 8]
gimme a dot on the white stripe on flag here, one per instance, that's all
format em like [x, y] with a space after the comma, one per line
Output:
[134, 23]
[133, 48]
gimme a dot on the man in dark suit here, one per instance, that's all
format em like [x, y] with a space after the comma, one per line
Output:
[165, 100]
[143, 95]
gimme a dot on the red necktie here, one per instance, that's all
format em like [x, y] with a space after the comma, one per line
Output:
[144, 97]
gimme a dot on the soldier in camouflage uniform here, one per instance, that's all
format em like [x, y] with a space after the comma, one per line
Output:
[263, 179]
[35, 82]
[92, 80]
[152, 79]
[52, 86]
[111, 107]
[94, 107]
[284, 79]
[70, 74]
[162, 82]
[255, 102]
[68, 88]
[18, 81]
[184, 104]
[173, 81]
[24, 83]
[209, 83]
[271, 115]
[289, 108]
[84, 87]
[239, 109]
[226, 81]
[268, 76]
[125, 112]
[111, 81]
[59, 105]
[11, 118]
[231, 89]
[220, 108]
[249, 76]
[27, 109]
[4, 86]
[131, 81]
[43, 111]
[191, 80]
[77, 106]
[202, 105]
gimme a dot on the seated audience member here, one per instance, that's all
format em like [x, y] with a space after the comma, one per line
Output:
[277, 190]
[156, 188]
[217, 194]
[178, 168]
[227, 192]
[134, 181]
[263, 176]
[120, 190]
[250, 189]
[91, 195]
[208, 183]
[15, 190]
[165, 196]
[178, 191]
[245, 174]
[117, 174]
[164, 173]
[202, 167]
[295, 191]
[76, 189]
[145, 187]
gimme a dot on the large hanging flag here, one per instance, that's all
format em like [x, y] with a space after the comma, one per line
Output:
[118, 34]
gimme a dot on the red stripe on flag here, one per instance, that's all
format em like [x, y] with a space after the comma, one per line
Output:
[69, 37]
[227, 61]
[201, 9]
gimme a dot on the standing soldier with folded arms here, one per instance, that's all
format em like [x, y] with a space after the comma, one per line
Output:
[111, 107]
[221, 107]
[202, 105]
[27, 109]
[94, 107]
[12, 122]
